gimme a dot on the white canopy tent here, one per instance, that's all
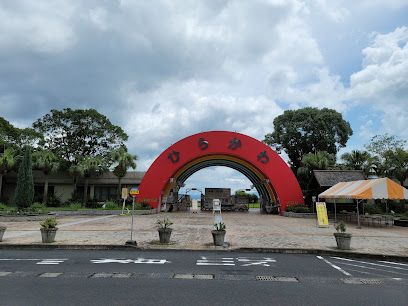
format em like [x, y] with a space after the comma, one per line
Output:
[382, 188]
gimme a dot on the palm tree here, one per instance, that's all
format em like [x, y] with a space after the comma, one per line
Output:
[47, 162]
[124, 161]
[7, 161]
[77, 171]
[313, 161]
[91, 165]
[358, 160]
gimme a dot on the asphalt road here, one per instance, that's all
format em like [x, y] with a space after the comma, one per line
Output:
[68, 277]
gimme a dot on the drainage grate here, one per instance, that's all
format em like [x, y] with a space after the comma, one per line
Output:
[194, 276]
[363, 281]
[277, 279]
[49, 275]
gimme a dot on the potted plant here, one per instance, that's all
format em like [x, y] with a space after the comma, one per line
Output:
[343, 239]
[219, 233]
[2, 230]
[164, 230]
[48, 229]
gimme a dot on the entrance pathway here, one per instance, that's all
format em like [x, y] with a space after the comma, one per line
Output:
[193, 231]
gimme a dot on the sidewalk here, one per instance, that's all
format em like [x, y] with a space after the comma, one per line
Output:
[245, 230]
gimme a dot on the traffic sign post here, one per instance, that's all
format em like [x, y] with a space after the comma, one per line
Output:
[133, 192]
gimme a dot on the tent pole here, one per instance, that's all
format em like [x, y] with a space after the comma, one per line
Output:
[358, 216]
[335, 211]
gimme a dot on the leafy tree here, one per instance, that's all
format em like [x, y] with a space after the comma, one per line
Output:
[7, 161]
[390, 156]
[11, 136]
[46, 161]
[397, 164]
[380, 144]
[358, 160]
[72, 133]
[308, 130]
[124, 161]
[24, 193]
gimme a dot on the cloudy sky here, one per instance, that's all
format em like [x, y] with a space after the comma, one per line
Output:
[164, 70]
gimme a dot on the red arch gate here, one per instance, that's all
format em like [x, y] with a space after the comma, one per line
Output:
[269, 174]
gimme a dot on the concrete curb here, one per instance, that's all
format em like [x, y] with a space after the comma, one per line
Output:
[348, 254]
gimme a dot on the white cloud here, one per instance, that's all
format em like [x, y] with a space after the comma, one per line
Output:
[383, 81]
[41, 26]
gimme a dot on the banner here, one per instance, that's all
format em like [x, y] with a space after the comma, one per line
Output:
[321, 210]
[124, 193]
[194, 206]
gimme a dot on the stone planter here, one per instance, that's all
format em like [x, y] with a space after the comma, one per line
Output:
[2, 230]
[164, 234]
[48, 234]
[401, 223]
[218, 237]
[343, 240]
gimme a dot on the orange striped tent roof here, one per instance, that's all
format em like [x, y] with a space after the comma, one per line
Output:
[382, 188]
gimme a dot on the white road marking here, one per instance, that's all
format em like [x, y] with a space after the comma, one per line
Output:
[394, 263]
[126, 261]
[369, 263]
[371, 268]
[40, 261]
[334, 266]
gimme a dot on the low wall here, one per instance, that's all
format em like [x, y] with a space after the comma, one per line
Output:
[299, 215]
[23, 218]
[95, 212]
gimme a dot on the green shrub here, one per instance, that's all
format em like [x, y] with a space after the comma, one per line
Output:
[110, 206]
[49, 222]
[37, 206]
[93, 203]
[75, 206]
[220, 226]
[54, 200]
[164, 223]
[341, 227]
[372, 209]
[2, 206]
[298, 209]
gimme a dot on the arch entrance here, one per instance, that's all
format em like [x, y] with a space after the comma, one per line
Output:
[269, 174]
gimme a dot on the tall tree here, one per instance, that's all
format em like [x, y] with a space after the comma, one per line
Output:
[71, 133]
[11, 136]
[91, 165]
[313, 161]
[76, 170]
[397, 164]
[7, 161]
[124, 161]
[46, 161]
[358, 160]
[390, 156]
[308, 130]
[24, 193]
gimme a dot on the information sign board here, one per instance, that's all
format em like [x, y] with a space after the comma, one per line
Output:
[194, 206]
[321, 210]
[124, 193]
[216, 205]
